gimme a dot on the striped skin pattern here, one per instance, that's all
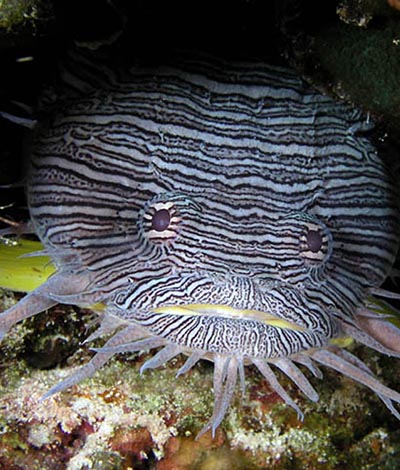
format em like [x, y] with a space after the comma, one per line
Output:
[222, 210]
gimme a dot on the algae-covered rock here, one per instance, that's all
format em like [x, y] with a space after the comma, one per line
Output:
[121, 419]
[361, 12]
[24, 16]
[365, 65]
[357, 57]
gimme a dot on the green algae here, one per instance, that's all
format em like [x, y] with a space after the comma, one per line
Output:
[183, 401]
[346, 426]
[357, 58]
[118, 399]
[361, 12]
[366, 64]
[16, 15]
[223, 458]
[107, 461]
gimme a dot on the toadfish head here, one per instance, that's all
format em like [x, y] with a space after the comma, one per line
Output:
[232, 216]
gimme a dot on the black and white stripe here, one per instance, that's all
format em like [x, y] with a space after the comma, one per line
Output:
[248, 155]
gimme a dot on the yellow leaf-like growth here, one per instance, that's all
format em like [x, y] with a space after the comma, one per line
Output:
[19, 272]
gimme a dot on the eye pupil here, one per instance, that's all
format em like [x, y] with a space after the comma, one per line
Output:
[314, 240]
[161, 220]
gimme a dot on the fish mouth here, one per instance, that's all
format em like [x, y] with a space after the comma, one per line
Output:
[229, 366]
[225, 311]
[243, 332]
[222, 329]
[173, 329]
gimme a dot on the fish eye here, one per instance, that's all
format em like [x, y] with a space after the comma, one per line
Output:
[315, 242]
[161, 220]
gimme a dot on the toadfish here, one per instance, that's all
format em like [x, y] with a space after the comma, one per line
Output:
[223, 210]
